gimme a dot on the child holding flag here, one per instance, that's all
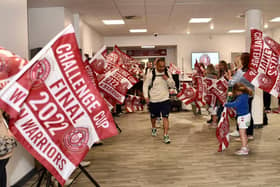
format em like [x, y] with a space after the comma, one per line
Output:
[241, 94]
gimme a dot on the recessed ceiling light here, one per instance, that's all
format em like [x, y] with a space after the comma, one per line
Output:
[212, 26]
[113, 22]
[276, 19]
[236, 31]
[265, 26]
[147, 46]
[137, 30]
[200, 20]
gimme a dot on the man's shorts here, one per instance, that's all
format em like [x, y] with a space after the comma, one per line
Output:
[160, 109]
[244, 121]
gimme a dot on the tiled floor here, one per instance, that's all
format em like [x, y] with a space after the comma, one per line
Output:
[136, 159]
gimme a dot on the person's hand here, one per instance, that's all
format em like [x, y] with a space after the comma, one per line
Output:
[10, 133]
[147, 100]
[230, 94]
[164, 77]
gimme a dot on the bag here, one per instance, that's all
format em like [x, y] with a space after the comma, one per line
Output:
[7, 142]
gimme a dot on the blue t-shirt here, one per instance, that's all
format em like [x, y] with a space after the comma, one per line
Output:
[241, 104]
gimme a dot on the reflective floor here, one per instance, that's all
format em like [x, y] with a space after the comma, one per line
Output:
[136, 159]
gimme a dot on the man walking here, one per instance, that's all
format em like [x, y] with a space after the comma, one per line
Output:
[156, 93]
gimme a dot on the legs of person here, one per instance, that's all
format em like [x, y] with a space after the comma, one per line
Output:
[154, 114]
[243, 123]
[165, 109]
[153, 121]
[165, 125]
[266, 101]
[3, 174]
[243, 137]
[250, 129]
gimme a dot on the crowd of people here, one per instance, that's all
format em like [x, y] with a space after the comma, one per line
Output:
[157, 81]
[240, 90]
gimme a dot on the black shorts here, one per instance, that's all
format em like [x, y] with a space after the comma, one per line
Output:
[160, 109]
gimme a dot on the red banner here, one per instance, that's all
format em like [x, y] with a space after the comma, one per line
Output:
[174, 69]
[222, 131]
[187, 95]
[57, 114]
[128, 63]
[116, 82]
[264, 63]
[129, 104]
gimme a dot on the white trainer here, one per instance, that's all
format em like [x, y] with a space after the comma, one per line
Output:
[234, 133]
[85, 163]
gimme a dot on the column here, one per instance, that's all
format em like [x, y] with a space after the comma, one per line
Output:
[254, 19]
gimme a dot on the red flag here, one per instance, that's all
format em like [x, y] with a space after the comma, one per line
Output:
[222, 131]
[116, 82]
[136, 102]
[210, 98]
[200, 91]
[62, 115]
[174, 69]
[187, 94]
[264, 63]
[128, 104]
[219, 89]
[127, 62]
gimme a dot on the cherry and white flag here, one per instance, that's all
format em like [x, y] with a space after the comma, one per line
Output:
[127, 62]
[129, 104]
[56, 113]
[187, 94]
[174, 69]
[136, 102]
[222, 131]
[116, 82]
[264, 63]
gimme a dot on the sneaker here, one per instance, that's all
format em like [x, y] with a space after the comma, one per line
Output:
[242, 151]
[237, 139]
[209, 121]
[250, 137]
[268, 111]
[213, 125]
[85, 163]
[166, 139]
[68, 182]
[154, 132]
[234, 133]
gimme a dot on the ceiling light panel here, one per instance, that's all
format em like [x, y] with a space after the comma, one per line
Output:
[113, 22]
[137, 30]
[200, 20]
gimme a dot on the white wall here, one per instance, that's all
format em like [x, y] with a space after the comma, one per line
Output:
[225, 44]
[91, 41]
[14, 37]
[44, 24]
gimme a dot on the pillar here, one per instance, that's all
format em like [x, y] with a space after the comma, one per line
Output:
[254, 19]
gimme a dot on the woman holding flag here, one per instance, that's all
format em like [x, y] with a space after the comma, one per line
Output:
[243, 66]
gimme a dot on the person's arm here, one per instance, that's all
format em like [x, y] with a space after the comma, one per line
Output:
[146, 84]
[234, 104]
[235, 79]
[169, 80]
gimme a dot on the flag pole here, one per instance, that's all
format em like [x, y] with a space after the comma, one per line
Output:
[88, 175]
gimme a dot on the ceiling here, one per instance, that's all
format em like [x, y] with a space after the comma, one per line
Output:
[165, 16]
